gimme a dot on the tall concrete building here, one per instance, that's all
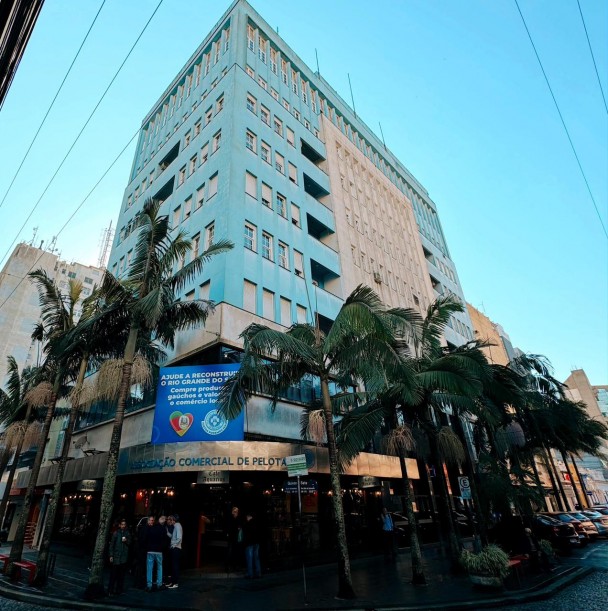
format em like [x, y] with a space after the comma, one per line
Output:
[499, 349]
[20, 310]
[248, 143]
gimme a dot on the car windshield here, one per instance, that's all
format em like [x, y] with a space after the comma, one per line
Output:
[593, 514]
[564, 517]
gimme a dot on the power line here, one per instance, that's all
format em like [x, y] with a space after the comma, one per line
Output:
[599, 81]
[82, 130]
[51, 106]
[80, 205]
[559, 112]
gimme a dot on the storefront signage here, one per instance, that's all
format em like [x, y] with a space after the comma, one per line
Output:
[88, 485]
[368, 481]
[296, 465]
[307, 486]
[186, 406]
[213, 477]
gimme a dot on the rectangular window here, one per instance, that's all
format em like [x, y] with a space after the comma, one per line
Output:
[279, 162]
[200, 196]
[250, 71]
[306, 123]
[189, 296]
[207, 63]
[196, 242]
[273, 60]
[217, 140]
[137, 192]
[197, 75]
[298, 263]
[249, 296]
[219, 105]
[265, 152]
[291, 137]
[217, 47]
[275, 94]
[251, 141]
[286, 105]
[209, 235]
[187, 207]
[263, 84]
[181, 177]
[251, 185]
[250, 236]
[176, 216]
[204, 290]
[294, 81]
[267, 246]
[284, 71]
[285, 312]
[266, 195]
[197, 128]
[192, 165]
[208, 116]
[226, 39]
[265, 113]
[205, 154]
[212, 186]
[281, 205]
[268, 304]
[303, 89]
[251, 104]
[278, 126]
[293, 173]
[129, 201]
[283, 255]
[301, 314]
[250, 38]
[295, 215]
[262, 49]
[187, 139]
[296, 114]
[151, 177]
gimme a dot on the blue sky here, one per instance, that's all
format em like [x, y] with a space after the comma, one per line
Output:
[462, 103]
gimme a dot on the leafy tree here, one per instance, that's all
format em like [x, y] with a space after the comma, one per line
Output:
[148, 299]
[357, 348]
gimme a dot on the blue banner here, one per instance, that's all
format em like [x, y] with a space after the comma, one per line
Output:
[186, 405]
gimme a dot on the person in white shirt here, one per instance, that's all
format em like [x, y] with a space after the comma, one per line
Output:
[176, 549]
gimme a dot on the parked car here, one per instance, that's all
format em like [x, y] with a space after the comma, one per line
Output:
[602, 510]
[565, 517]
[561, 535]
[586, 523]
[599, 519]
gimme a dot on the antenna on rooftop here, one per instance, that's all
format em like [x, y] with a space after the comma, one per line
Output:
[352, 97]
[34, 236]
[317, 58]
[105, 242]
[382, 134]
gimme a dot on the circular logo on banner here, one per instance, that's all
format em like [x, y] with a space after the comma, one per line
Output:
[214, 423]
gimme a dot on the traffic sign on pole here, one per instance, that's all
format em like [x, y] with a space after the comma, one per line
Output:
[465, 487]
[296, 465]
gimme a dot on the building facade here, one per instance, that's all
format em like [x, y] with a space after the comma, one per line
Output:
[248, 143]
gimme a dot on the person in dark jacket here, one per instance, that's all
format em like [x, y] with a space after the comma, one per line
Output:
[251, 539]
[234, 534]
[155, 539]
[119, 556]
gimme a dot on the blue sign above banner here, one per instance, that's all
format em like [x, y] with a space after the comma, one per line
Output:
[186, 405]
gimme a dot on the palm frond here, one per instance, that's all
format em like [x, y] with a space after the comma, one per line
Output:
[450, 446]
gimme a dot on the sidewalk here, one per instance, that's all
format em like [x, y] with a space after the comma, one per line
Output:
[378, 585]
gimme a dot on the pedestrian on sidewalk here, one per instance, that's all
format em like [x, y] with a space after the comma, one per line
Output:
[388, 535]
[175, 549]
[164, 522]
[234, 534]
[251, 538]
[155, 538]
[119, 556]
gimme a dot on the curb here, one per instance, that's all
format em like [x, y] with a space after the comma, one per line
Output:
[541, 592]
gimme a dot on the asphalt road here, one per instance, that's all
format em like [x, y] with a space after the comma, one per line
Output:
[13, 605]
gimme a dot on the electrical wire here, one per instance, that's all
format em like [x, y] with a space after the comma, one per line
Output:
[51, 106]
[82, 130]
[597, 74]
[80, 205]
[559, 112]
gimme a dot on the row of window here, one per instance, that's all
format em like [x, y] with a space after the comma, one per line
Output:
[281, 256]
[251, 143]
[279, 203]
[275, 123]
[187, 170]
[285, 315]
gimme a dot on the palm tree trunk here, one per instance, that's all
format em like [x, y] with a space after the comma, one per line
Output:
[418, 577]
[559, 481]
[345, 584]
[580, 479]
[13, 468]
[6, 456]
[49, 522]
[95, 588]
[577, 492]
[17, 548]
[539, 484]
[556, 494]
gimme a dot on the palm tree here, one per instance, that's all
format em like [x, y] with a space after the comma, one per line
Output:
[16, 415]
[357, 348]
[148, 298]
[58, 316]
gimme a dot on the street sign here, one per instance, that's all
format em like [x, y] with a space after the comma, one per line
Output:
[296, 465]
[465, 488]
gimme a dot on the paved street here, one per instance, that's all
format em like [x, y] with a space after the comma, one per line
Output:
[13, 605]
